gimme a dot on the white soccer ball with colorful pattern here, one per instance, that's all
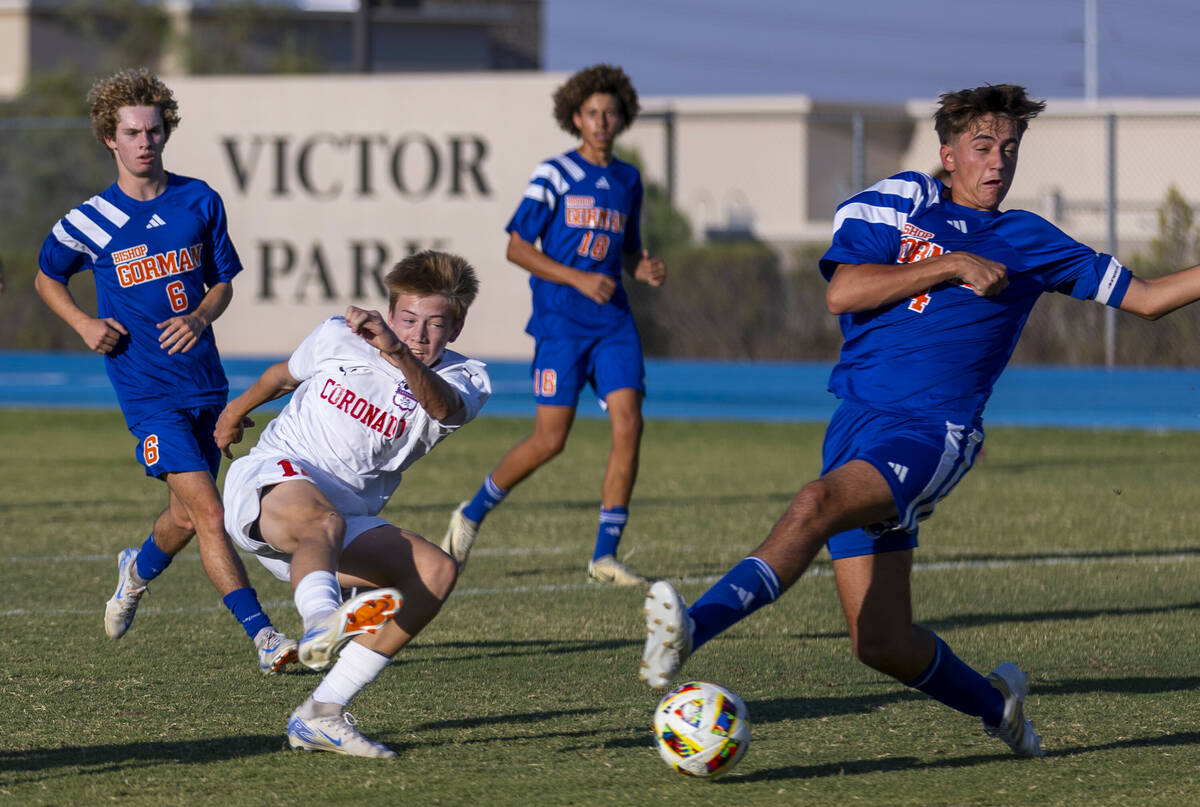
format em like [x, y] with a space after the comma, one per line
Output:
[701, 729]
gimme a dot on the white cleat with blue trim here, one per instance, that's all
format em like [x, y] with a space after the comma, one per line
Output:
[121, 607]
[318, 726]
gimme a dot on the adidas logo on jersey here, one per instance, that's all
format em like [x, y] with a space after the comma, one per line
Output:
[602, 183]
[901, 470]
[959, 225]
[155, 221]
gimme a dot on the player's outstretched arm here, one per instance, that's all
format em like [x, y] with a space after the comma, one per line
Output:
[593, 285]
[867, 286]
[1151, 298]
[100, 335]
[643, 268]
[275, 381]
[433, 393]
[180, 334]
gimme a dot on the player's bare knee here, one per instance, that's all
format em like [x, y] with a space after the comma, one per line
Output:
[549, 446]
[209, 519]
[626, 442]
[326, 528]
[876, 651]
[333, 527]
[439, 573]
[815, 504]
[627, 427]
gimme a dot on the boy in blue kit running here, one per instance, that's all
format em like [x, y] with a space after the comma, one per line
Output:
[158, 249]
[932, 285]
[585, 208]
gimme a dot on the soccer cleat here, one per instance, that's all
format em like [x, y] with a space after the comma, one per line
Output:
[668, 635]
[275, 651]
[1014, 729]
[363, 613]
[318, 726]
[460, 535]
[119, 611]
[608, 569]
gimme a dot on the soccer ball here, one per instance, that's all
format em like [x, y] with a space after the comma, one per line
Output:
[701, 729]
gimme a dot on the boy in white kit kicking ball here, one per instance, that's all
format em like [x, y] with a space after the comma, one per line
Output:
[371, 398]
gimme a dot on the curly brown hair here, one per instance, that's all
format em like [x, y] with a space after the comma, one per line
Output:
[132, 87]
[958, 110]
[599, 78]
[431, 272]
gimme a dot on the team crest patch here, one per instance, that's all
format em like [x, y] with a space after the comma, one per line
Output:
[404, 399]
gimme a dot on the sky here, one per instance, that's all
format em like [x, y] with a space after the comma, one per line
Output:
[879, 50]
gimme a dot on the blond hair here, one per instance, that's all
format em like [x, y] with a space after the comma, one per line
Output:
[132, 87]
[431, 272]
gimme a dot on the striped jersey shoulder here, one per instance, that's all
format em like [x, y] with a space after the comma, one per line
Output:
[892, 201]
[89, 227]
[553, 179]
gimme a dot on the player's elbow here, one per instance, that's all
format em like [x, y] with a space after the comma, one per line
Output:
[837, 302]
[1144, 309]
[41, 282]
[842, 295]
[517, 249]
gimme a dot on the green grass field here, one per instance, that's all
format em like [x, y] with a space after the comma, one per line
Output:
[1072, 553]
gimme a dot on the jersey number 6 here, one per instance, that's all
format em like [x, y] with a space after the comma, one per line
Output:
[177, 294]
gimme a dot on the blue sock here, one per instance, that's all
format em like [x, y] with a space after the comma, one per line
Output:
[612, 524]
[744, 589]
[487, 497]
[952, 682]
[151, 560]
[243, 603]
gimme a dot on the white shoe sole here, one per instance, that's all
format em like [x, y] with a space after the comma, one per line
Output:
[364, 613]
[668, 637]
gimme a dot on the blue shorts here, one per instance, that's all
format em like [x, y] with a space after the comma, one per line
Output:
[922, 461]
[178, 440]
[562, 365]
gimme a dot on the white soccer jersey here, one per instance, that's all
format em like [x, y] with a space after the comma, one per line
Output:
[353, 423]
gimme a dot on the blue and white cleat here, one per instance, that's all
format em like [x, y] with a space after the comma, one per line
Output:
[318, 726]
[121, 607]
[1014, 729]
[363, 613]
[275, 651]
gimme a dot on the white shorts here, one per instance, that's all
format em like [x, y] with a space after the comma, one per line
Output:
[244, 482]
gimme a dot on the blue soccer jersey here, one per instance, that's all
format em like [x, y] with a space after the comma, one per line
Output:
[151, 261]
[939, 353]
[586, 216]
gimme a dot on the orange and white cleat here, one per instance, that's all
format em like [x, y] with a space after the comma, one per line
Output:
[362, 613]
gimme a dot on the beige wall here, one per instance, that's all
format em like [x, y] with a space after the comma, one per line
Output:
[305, 165]
[14, 46]
[741, 162]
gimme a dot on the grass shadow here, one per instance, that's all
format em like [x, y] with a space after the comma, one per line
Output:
[90, 760]
[908, 764]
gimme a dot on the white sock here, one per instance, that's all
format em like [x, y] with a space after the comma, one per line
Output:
[317, 595]
[355, 668]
